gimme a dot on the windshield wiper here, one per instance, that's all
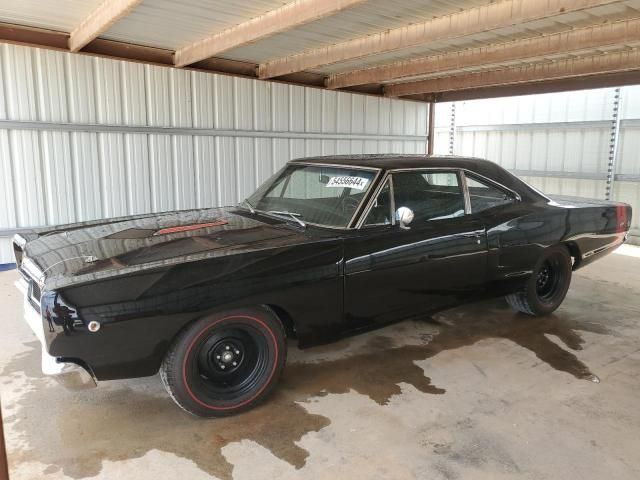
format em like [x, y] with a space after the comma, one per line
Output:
[251, 209]
[292, 215]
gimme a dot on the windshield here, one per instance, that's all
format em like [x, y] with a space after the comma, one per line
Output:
[314, 194]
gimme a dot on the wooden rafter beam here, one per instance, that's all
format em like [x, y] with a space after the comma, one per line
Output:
[562, 85]
[604, 64]
[101, 47]
[288, 16]
[99, 21]
[580, 39]
[467, 22]
[39, 37]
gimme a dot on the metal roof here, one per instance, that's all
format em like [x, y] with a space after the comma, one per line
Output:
[338, 36]
[62, 15]
[172, 24]
[370, 17]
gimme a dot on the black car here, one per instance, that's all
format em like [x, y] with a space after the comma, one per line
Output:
[326, 247]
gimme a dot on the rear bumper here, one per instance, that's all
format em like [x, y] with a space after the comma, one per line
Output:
[69, 374]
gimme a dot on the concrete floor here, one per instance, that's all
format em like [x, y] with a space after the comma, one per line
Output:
[476, 393]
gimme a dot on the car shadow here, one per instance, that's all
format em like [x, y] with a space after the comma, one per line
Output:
[76, 432]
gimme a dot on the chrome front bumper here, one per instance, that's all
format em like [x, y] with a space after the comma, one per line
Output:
[69, 374]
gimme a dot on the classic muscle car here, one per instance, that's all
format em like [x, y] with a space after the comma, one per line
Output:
[327, 247]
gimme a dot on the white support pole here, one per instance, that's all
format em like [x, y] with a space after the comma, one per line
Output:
[452, 130]
[613, 143]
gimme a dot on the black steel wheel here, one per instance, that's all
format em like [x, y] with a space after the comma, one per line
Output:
[225, 363]
[547, 286]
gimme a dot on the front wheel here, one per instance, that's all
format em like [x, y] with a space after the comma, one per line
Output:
[225, 363]
[548, 285]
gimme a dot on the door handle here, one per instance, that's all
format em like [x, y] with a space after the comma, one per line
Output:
[474, 234]
[477, 234]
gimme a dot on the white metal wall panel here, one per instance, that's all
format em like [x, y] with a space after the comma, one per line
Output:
[62, 15]
[28, 177]
[629, 192]
[8, 213]
[113, 174]
[558, 132]
[628, 160]
[567, 186]
[583, 150]
[127, 138]
[629, 150]
[579, 106]
[631, 102]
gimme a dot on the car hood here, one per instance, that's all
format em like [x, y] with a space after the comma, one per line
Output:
[131, 244]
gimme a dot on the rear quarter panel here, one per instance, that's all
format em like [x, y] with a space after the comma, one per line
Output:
[519, 233]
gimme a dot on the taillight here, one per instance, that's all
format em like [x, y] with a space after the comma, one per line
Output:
[621, 218]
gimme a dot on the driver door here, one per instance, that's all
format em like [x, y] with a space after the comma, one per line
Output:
[438, 260]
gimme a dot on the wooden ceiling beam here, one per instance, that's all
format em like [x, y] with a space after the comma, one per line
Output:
[580, 39]
[604, 64]
[40, 37]
[562, 85]
[472, 21]
[279, 20]
[99, 21]
[101, 47]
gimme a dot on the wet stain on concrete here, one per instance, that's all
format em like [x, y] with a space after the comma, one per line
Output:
[123, 420]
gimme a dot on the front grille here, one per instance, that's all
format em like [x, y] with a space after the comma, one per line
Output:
[33, 275]
[36, 293]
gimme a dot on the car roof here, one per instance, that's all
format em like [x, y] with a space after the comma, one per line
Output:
[394, 161]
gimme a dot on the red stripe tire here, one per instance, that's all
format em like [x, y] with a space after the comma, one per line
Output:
[225, 363]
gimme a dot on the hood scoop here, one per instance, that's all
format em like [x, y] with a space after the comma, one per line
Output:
[189, 228]
[140, 233]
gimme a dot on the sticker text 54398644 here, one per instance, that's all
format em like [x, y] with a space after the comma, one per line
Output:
[358, 183]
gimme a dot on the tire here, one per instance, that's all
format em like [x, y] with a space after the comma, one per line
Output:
[225, 363]
[548, 285]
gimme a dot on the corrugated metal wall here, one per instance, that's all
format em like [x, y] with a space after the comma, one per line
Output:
[85, 137]
[558, 142]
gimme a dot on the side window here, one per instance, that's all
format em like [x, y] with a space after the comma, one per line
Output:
[483, 196]
[380, 213]
[430, 195]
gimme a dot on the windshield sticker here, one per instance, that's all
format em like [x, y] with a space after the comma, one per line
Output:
[358, 183]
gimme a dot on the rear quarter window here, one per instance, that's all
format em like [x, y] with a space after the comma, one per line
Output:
[483, 195]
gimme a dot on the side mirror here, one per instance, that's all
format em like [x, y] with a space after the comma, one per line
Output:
[404, 215]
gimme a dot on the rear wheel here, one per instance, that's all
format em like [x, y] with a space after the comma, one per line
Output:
[548, 285]
[225, 363]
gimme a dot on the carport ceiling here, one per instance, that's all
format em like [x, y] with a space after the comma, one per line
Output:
[430, 50]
